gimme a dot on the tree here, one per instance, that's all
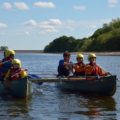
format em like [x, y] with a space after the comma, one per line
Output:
[3, 48]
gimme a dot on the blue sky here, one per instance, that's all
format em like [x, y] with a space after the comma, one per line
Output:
[33, 24]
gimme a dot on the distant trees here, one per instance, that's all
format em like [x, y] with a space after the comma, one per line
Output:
[3, 48]
[61, 44]
[106, 38]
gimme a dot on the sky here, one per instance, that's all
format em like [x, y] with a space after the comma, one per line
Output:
[33, 24]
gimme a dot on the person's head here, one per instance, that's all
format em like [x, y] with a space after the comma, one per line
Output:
[16, 63]
[66, 56]
[92, 57]
[80, 57]
[9, 53]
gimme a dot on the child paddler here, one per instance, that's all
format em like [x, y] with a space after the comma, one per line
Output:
[14, 73]
[6, 62]
[65, 66]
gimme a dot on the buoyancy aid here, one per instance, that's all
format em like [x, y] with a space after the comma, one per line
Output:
[79, 68]
[89, 69]
[15, 74]
[94, 70]
[7, 59]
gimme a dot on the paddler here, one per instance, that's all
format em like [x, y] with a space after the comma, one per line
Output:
[15, 72]
[6, 62]
[79, 67]
[65, 66]
[92, 69]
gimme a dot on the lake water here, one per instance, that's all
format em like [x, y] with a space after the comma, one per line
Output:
[49, 103]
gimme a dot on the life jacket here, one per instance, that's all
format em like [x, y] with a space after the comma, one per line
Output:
[16, 74]
[79, 68]
[91, 69]
[94, 70]
[7, 59]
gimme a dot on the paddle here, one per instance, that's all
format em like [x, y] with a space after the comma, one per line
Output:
[62, 79]
[38, 73]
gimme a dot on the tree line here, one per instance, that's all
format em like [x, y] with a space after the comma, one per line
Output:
[103, 39]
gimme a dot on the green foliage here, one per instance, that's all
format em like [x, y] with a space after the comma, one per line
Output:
[3, 48]
[106, 38]
[61, 44]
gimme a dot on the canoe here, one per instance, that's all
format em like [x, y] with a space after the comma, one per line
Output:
[103, 85]
[21, 88]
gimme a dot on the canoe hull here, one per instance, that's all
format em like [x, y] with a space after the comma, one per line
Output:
[104, 85]
[21, 88]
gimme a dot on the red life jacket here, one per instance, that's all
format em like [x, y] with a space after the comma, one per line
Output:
[7, 59]
[15, 74]
[79, 67]
[93, 70]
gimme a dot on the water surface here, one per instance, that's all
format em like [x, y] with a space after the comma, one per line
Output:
[49, 103]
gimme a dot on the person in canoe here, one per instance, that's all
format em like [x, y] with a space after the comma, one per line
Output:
[6, 62]
[65, 67]
[14, 73]
[79, 67]
[92, 69]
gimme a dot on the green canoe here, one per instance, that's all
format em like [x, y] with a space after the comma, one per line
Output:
[103, 85]
[21, 88]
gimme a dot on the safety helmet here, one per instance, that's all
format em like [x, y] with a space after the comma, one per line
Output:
[16, 61]
[80, 55]
[9, 52]
[91, 55]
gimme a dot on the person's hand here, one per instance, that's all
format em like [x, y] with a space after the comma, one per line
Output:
[66, 65]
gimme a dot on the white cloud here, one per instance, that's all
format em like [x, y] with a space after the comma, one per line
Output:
[48, 28]
[44, 4]
[55, 25]
[31, 23]
[112, 3]
[50, 25]
[79, 7]
[3, 25]
[55, 22]
[7, 5]
[21, 6]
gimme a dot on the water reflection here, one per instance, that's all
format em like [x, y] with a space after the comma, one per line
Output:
[86, 107]
[13, 108]
[98, 106]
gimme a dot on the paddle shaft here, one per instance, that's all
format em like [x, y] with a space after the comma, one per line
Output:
[55, 79]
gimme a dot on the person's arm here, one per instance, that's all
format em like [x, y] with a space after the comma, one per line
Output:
[7, 75]
[60, 66]
[103, 72]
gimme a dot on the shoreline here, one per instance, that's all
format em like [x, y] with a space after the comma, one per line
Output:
[85, 53]
[104, 53]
